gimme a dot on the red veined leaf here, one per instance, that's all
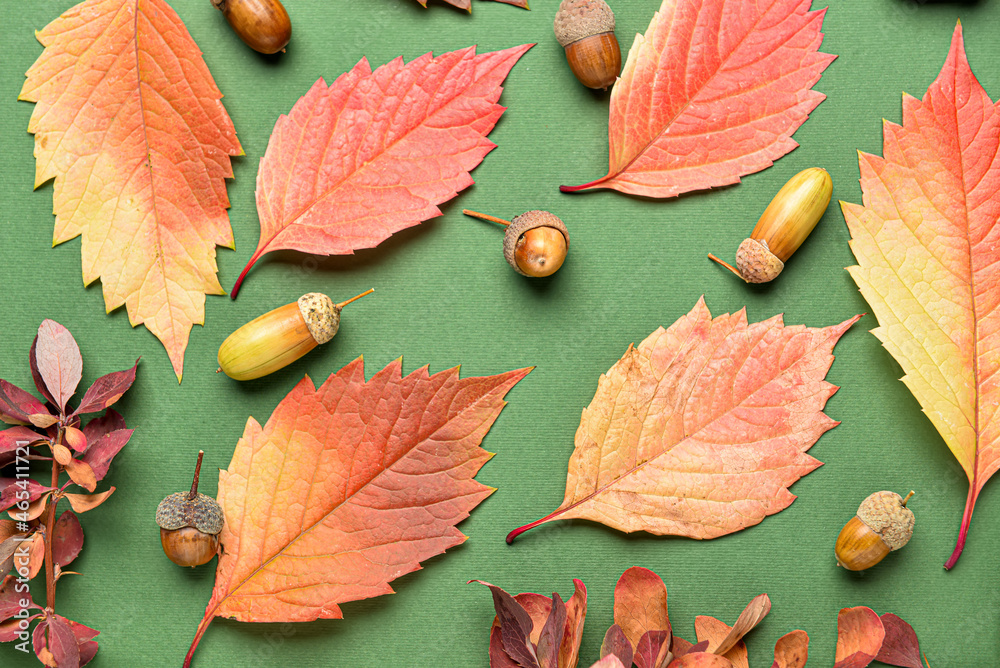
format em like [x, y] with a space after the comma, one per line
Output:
[9, 488]
[376, 152]
[100, 453]
[16, 437]
[106, 390]
[859, 637]
[900, 646]
[59, 361]
[616, 644]
[16, 405]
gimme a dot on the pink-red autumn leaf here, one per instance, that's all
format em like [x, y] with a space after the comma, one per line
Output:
[713, 91]
[107, 390]
[700, 430]
[67, 539]
[900, 646]
[129, 123]
[640, 603]
[376, 152]
[927, 241]
[347, 487]
[58, 361]
[859, 637]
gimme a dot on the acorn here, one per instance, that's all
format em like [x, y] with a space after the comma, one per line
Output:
[883, 524]
[263, 25]
[190, 523]
[586, 29]
[279, 337]
[784, 225]
[535, 243]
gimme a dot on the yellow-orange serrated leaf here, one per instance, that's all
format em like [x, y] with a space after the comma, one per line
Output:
[130, 124]
[927, 241]
[700, 429]
[347, 487]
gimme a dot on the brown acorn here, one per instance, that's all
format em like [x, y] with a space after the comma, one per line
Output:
[586, 29]
[882, 525]
[279, 337]
[190, 523]
[784, 225]
[262, 24]
[535, 243]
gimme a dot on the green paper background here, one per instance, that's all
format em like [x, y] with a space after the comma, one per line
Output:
[444, 296]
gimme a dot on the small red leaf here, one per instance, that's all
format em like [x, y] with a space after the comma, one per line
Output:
[617, 644]
[16, 437]
[900, 646]
[498, 657]
[653, 648]
[10, 630]
[81, 503]
[106, 390]
[76, 439]
[67, 539]
[9, 488]
[859, 637]
[16, 404]
[59, 362]
[105, 424]
[515, 627]
[791, 650]
[81, 473]
[85, 641]
[551, 636]
[13, 599]
[55, 637]
[104, 449]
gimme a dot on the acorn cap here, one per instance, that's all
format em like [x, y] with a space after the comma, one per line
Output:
[529, 220]
[202, 512]
[577, 19]
[756, 262]
[321, 315]
[885, 514]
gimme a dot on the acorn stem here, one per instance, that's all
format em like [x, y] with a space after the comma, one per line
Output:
[197, 471]
[486, 216]
[908, 497]
[354, 299]
[726, 265]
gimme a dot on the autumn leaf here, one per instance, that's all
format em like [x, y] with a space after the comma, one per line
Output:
[129, 123]
[713, 91]
[700, 430]
[791, 650]
[347, 487]
[900, 646]
[376, 152]
[928, 249]
[859, 637]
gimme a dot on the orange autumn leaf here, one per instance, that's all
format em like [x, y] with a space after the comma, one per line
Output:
[713, 91]
[927, 241]
[376, 152]
[700, 429]
[129, 123]
[347, 487]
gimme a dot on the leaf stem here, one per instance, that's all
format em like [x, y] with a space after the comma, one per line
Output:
[243, 275]
[518, 531]
[356, 298]
[486, 216]
[963, 531]
[727, 266]
[202, 627]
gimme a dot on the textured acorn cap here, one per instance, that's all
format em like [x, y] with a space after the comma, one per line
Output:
[178, 511]
[885, 514]
[577, 19]
[529, 220]
[322, 316]
[756, 262]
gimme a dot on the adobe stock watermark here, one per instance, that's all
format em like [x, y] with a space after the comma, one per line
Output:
[21, 554]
